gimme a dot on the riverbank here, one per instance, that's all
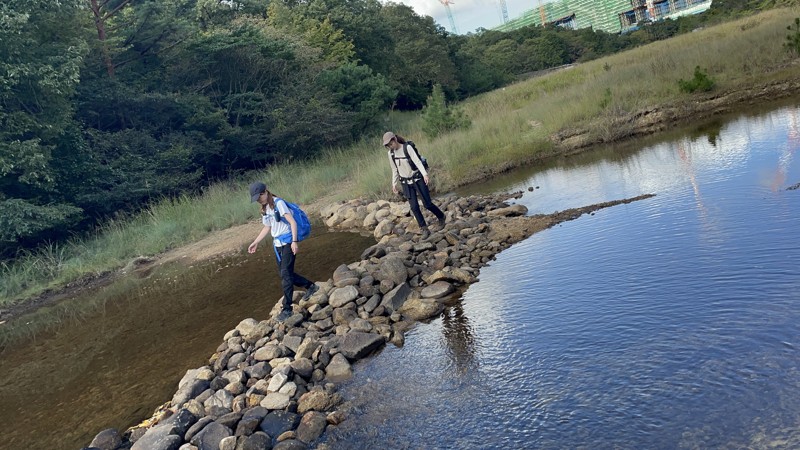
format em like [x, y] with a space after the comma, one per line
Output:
[616, 98]
[274, 383]
[233, 240]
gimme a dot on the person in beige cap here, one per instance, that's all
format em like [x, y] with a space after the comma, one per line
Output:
[409, 171]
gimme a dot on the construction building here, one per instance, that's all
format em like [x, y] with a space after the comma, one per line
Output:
[612, 16]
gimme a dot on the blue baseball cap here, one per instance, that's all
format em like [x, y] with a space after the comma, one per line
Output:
[257, 189]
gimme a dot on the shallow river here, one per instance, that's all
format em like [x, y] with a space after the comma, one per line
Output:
[112, 365]
[672, 322]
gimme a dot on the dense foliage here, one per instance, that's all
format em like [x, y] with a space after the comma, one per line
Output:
[107, 104]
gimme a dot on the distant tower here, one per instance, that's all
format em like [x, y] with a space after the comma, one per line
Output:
[504, 10]
[447, 4]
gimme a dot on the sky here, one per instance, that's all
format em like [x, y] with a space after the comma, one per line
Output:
[470, 15]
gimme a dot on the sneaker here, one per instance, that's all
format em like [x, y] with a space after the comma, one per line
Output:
[441, 223]
[284, 314]
[311, 290]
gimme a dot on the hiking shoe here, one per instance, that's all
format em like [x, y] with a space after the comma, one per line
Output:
[441, 223]
[284, 314]
[310, 291]
[425, 233]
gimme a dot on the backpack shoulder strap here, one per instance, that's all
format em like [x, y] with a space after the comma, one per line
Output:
[278, 216]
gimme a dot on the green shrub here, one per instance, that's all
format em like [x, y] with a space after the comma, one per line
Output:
[792, 43]
[438, 118]
[701, 82]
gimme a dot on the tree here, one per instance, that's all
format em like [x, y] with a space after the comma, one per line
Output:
[438, 118]
[421, 56]
[38, 76]
[103, 10]
[360, 91]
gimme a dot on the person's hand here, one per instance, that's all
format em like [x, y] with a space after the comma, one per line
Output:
[252, 248]
[426, 179]
[294, 247]
[394, 188]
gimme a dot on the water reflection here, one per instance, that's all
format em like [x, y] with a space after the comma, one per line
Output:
[458, 338]
[667, 323]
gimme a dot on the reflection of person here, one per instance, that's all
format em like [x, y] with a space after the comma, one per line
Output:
[458, 335]
[413, 180]
[284, 233]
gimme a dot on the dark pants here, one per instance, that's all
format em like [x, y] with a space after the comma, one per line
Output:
[411, 191]
[289, 279]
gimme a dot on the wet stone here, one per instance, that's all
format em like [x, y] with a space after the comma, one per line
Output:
[395, 298]
[229, 420]
[181, 421]
[247, 425]
[256, 441]
[197, 427]
[210, 437]
[311, 426]
[291, 444]
[314, 401]
[108, 439]
[277, 422]
[437, 290]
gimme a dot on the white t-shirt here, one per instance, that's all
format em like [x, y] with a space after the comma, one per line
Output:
[277, 228]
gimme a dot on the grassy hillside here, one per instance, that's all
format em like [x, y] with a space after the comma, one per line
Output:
[510, 126]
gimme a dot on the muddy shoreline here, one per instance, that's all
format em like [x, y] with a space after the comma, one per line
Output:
[633, 125]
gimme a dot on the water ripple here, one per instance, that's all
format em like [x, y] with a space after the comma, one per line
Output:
[667, 323]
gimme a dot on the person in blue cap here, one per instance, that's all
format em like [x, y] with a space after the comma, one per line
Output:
[284, 251]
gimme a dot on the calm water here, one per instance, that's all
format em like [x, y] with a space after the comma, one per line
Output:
[112, 365]
[672, 322]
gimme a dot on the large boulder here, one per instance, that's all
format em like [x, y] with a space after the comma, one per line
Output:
[342, 296]
[161, 437]
[437, 290]
[357, 345]
[420, 309]
[338, 369]
[311, 426]
[107, 440]
[384, 228]
[392, 268]
[210, 437]
[509, 211]
[278, 422]
[395, 298]
[317, 400]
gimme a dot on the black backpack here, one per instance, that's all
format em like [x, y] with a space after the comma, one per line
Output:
[411, 161]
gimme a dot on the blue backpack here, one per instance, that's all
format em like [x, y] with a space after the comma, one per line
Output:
[303, 224]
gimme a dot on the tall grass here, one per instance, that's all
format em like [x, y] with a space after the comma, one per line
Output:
[510, 126]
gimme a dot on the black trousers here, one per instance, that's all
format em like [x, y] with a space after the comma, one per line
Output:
[411, 191]
[289, 279]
